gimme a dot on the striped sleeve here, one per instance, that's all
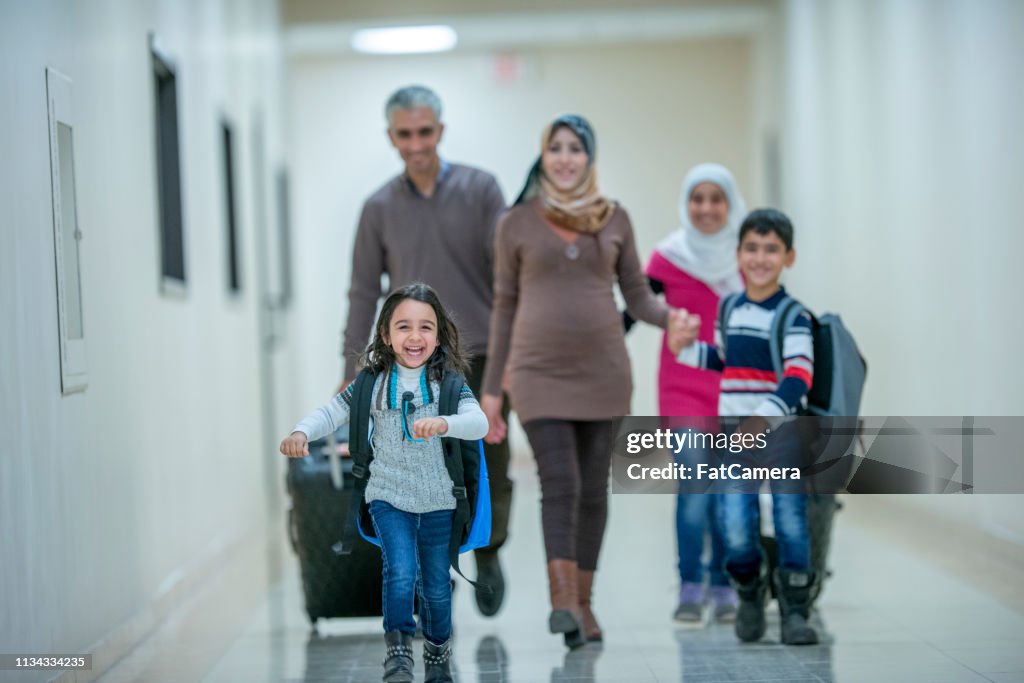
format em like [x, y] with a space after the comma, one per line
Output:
[327, 418]
[701, 355]
[470, 423]
[715, 359]
[465, 393]
[797, 369]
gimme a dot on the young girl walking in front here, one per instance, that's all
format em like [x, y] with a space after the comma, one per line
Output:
[409, 491]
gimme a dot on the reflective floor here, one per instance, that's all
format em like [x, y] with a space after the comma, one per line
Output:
[906, 603]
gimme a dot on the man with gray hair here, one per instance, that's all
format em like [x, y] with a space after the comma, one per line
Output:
[434, 223]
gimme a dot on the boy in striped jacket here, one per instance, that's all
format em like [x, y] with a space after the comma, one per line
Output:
[751, 389]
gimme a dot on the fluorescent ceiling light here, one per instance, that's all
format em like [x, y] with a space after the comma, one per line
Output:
[404, 39]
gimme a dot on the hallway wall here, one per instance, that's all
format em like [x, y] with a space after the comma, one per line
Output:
[111, 498]
[904, 164]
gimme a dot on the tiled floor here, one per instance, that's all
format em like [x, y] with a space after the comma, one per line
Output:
[891, 612]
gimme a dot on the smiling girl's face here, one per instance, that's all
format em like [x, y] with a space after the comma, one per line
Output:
[708, 208]
[412, 333]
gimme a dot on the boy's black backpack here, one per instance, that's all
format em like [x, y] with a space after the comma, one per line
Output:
[471, 523]
[839, 367]
[834, 398]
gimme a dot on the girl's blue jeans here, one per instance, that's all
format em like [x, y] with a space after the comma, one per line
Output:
[415, 552]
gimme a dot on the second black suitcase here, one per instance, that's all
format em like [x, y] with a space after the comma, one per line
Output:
[334, 585]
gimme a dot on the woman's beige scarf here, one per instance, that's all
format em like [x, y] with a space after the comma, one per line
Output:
[583, 209]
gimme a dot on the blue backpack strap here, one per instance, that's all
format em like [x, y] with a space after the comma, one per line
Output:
[463, 465]
[785, 315]
[726, 305]
[362, 455]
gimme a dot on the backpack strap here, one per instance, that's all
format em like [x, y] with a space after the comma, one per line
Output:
[362, 454]
[726, 305]
[785, 315]
[463, 471]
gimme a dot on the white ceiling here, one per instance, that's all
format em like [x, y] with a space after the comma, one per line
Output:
[554, 27]
[333, 11]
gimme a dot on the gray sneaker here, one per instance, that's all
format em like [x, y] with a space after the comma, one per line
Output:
[723, 604]
[691, 603]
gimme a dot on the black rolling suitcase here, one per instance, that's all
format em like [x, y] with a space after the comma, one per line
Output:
[830, 440]
[335, 585]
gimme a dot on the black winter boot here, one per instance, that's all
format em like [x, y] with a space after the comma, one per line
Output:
[488, 573]
[436, 664]
[750, 623]
[795, 590]
[398, 662]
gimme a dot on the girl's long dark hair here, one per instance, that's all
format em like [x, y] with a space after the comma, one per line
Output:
[448, 356]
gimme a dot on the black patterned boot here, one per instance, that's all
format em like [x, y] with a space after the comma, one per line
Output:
[398, 659]
[436, 664]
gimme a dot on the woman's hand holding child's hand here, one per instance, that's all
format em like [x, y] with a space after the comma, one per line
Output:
[676, 317]
[427, 427]
[682, 331]
[295, 445]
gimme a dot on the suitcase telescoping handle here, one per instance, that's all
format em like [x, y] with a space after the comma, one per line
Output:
[337, 477]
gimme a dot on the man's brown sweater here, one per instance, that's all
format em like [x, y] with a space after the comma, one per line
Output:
[445, 240]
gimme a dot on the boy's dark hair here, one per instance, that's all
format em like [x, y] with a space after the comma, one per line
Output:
[449, 355]
[767, 221]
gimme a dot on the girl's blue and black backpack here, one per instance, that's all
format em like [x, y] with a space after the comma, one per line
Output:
[471, 524]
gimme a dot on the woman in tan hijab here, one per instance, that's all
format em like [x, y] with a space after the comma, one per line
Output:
[557, 346]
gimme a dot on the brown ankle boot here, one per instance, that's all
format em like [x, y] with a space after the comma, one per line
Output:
[565, 609]
[591, 629]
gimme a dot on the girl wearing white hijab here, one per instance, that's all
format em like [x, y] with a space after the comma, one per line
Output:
[694, 267]
[704, 246]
